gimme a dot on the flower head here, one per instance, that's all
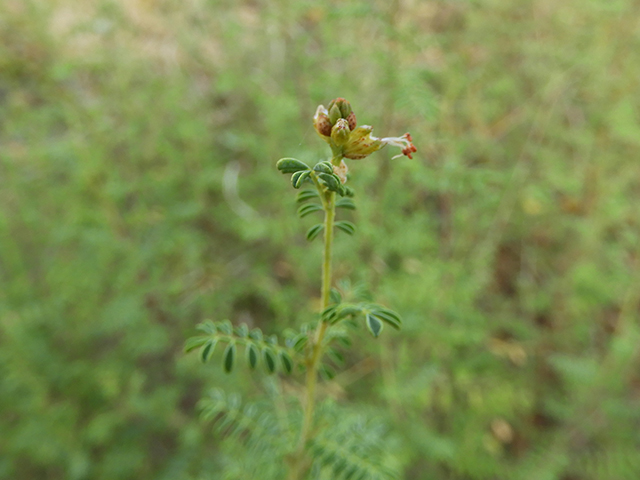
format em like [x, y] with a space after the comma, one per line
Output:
[338, 112]
[337, 126]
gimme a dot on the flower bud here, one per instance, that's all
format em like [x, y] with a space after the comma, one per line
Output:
[321, 123]
[344, 110]
[334, 114]
[338, 102]
[345, 107]
[340, 132]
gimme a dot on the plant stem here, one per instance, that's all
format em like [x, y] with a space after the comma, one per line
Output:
[316, 349]
[315, 354]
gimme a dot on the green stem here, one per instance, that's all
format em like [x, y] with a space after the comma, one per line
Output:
[316, 350]
[316, 346]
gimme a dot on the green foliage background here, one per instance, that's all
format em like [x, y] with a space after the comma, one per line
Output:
[139, 196]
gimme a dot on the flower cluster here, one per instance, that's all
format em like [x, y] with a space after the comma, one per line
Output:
[337, 126]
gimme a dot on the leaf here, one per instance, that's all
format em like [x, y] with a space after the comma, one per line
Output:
[291, 165]
[326, 372]
[254, 423]
[195, 342]
[287, 362]
[224, 423]
[298, 178]
[346, 227]
[346, 203]
[252, 355]
[225, 327]
[334, 313]
[351, 471]
[331, 181]
[336, 356]
[256, 334]
[269, 359]
[207, 327]
[373, 324]
[329, 313]
[339, 464]
[388, 316]
[305, 195]
[335, 296]
[229, 357]
[300, 341]
[242, 330]
[362, 292]
[323, 167]
[347, 310]
[309, 208]
[234, 401]
[348, 192]
[314, 231]
[207, 350]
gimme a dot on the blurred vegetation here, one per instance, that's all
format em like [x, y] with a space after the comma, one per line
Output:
[138, 196]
